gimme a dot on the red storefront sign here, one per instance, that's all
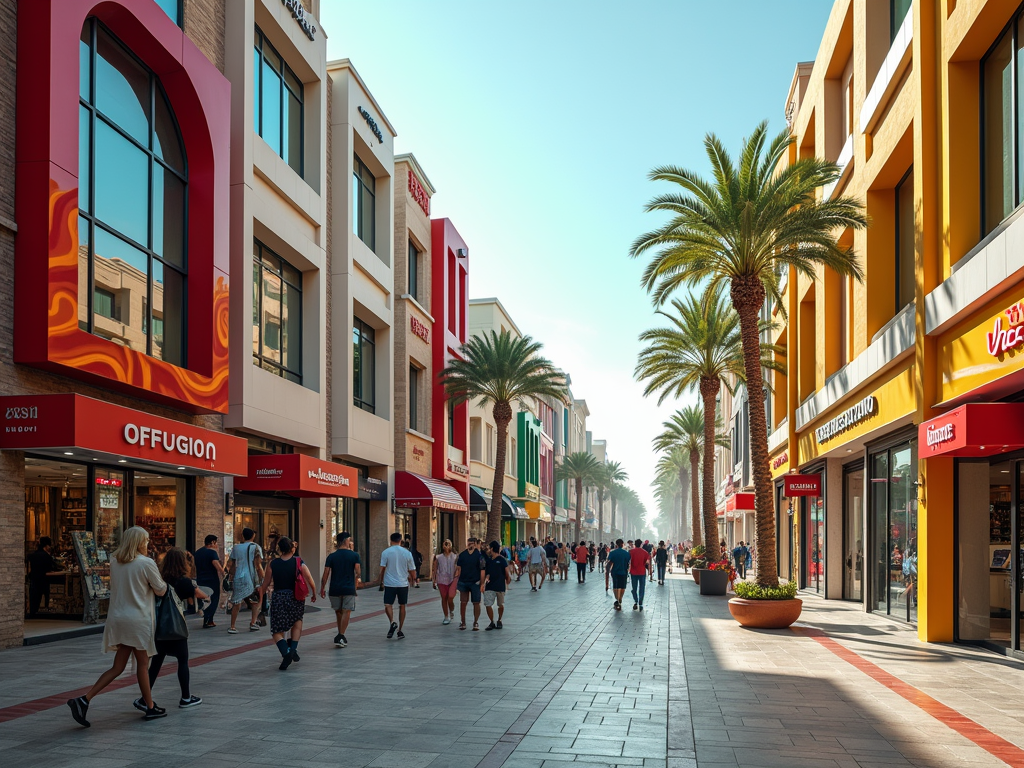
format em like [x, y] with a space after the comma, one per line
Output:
[975, 429]
[419, 329]
[801, 485]
[418, 193]
[76, 424]
[740, 502]
[778, 461]
[299, 475]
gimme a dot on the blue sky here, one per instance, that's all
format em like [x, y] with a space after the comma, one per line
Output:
[537, 123]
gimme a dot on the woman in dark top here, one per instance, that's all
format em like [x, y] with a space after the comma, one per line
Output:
[285, 611]
[177, 572]
[661, 559]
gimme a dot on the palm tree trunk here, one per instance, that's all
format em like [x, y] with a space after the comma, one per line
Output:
[748, 297]
[695, 518]
[709, 389]
[600, 512]
[502, 413]
[579, 507]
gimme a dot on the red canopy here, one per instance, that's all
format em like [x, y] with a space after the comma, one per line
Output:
[412, 490]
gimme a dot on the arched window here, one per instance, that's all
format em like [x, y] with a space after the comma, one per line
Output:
[133, 193]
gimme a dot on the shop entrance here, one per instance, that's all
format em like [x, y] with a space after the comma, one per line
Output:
[814, 514]
[269, 516]
[853, 532]
[893, 531]
[353, 516]
[784, 533]
[446, 525]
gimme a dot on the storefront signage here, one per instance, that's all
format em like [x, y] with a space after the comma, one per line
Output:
[113, 482]
[416, 451]
[78, 425]
[939, 434]
[1004, 339]
[458, 469]
[299, 14]
[374, 128]
[299, 475]
[801, 485]
[419, 194]
[862, 411]
[328, 479]
[531, 491]
[372, 489]
[778, 461]
[419, 329]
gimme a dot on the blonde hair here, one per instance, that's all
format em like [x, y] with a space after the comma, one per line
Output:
[446, 543]
[131, 544]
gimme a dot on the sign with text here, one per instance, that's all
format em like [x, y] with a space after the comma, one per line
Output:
[299, 475]
[801, 485]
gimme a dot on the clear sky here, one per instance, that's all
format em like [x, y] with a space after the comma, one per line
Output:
[537, 122]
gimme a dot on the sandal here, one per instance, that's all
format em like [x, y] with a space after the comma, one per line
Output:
[462, 626]
[476, 627]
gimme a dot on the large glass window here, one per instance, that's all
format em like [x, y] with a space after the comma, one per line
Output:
[894, 531]
[364, 364]
[277, 99]
[276, 314]
[853, 533]
[133, 192]
[898, 10]
[1001, 113]
[905, 227]
[414, 272]
[814, 512]
[364, 214]
[414, 397]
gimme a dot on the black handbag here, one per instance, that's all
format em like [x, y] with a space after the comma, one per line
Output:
[170, 622]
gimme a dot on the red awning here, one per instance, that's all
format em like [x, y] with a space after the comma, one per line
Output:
[740, 502]
[299, 475]
[412, 490]
[975, 429]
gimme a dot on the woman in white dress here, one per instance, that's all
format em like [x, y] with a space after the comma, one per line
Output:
[134, 582]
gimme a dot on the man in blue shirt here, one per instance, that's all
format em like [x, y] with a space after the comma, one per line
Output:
[739, 557]
[496, 578]
[397, 571]
[618, 571]
[342, 567]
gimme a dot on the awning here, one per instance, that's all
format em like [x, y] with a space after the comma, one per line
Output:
[538, 510]
[299, 475]
[972, 430]
[561, 518]
[73, 425]
[480, 501]
[740, 502]
[412, 490]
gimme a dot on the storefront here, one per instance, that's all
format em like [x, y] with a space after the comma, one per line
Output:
[427, 512]
[540, 518]
[93, 469]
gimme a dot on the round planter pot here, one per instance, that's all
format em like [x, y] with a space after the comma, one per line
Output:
[696, 574]
[765, 614]
[714, 582]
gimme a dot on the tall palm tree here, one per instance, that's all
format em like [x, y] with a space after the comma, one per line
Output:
[615, 475]
[500, 369]
[685, 430]
[579, 468]
[671, 478]
[741, 230]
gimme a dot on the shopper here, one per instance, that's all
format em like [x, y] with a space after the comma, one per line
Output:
[661, 559]
[469, 572]
[739, 558]
[551, 551]
[537, 560]
[245, 570]
[442, 575]
[209, 574]
[128, 632]
[639, 570]
[618, 571]
[417, 558]
[343, 572]
[176, 573]
[566, 560]
[41, 566]
[582, 560]
[592, 556]
[522, 553]
[286, 609]
[496, 578]
[602, 556]
[397, 572]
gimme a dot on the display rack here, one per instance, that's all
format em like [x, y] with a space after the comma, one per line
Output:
[95, 568]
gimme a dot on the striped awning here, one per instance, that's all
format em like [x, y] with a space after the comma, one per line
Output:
[412, 490]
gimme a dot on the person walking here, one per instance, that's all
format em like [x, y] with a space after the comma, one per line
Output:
[522, 553]
[245, 570]
[496, 578]
[128, 632]
[209, 574]
[592, 556]
[566, 559]
[551, 551]
[661, 560]
[442, 575]
[469, 572]
[582, 559]
[618, 571]
[397, 572]
[639, 570]
[602, 556]
[176, 573]
[417, 558]
[739, 558]
[343, 572]
[537, 564]
[41, 566]
[286, 609]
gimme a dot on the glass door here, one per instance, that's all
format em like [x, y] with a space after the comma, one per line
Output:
[853, 533]
[815, 509]
[894, 531]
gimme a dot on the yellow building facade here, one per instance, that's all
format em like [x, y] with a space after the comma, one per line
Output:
[902, 392]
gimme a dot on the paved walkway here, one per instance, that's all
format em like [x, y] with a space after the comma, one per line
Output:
[568, 680]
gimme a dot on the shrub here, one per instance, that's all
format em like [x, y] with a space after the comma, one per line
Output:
[721, 565]
[752, 591]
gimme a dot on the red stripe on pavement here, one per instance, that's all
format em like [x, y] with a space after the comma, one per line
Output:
[35, 706]
[995, 745]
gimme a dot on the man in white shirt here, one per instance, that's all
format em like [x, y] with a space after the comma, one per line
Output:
[537, 562]
[397, 570]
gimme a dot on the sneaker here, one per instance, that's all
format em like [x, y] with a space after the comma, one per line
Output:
[337, 641]
[211, 625]
[262, 619]
[476, 627]
[447, 620]
[79, 708]
[391, 632]
[191, 701]
[344, 641]
[615, 605]
[636, 606]
[400, 635]
[641, 607]
[254, 627]
[490, 626]
[155, 713]
[140, 705]
[498, 626]
[533, 589]
[286, 662]
[294, 655]
[232, 631]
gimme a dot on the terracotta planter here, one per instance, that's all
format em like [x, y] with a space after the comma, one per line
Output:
[696, 574]
[765, 614]
[714, 582]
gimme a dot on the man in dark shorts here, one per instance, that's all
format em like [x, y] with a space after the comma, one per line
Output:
[496, 579]
[209, 574]
[618, 571]
[397, 571]
[469, 571]
[342, 567]
[551, 552]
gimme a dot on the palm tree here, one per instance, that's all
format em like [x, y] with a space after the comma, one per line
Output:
[671, 478]
[500, 369]
[741, 230]
[615, 475]
[685, 430]
[580, 468]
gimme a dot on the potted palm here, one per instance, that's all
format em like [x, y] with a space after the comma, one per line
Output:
[765, 607]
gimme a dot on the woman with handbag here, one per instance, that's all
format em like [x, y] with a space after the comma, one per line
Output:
[171, 635]
[134, 581]
[292, 585]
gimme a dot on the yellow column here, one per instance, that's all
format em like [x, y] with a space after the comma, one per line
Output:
[935, 551]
